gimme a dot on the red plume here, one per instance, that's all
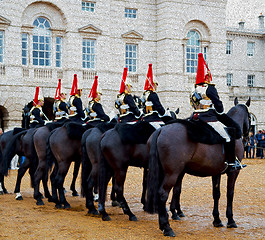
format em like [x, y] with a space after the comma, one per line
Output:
[93, 92]
[58, 91]
[149, 83]
[74, 86]
[203, 72]
[36, 98]
[122, 89]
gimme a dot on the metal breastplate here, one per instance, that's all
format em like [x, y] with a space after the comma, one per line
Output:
[59, 114]
[72, 109]
[32, 117]
[199, 100]
[122, 106]
[92, 114]
[148, 105]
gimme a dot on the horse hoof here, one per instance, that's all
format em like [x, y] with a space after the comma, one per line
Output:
[106, 218]
[5, 191]
[169, 233]
[40, 203]
[93, 212]
[19, 198]
[133, 218]
[58, 206]
[50, 199]
[175, 217]
[181, 214]
[67, 206]
[1, 192]
[218, 224]
[75, 194]
[115, 204]
[232, 225]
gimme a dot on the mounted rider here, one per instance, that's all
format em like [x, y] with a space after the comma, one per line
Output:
[128, 111]
[209, 108]
[94, 110]
[36, 113]
[75, 105]
[60, 108]
[153, 109]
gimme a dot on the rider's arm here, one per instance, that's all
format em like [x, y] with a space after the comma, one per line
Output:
[153, 97]
[130, 101]
[36, 112]
[79, 108]
[97, 107]
[212, 93]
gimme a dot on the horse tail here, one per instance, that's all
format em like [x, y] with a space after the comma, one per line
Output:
[86, 166]
[154, 175]
[10, 151]
[49, 154]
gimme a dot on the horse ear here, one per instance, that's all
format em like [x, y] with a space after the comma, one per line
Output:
[236, 101]
[177, 111]
[248, 102]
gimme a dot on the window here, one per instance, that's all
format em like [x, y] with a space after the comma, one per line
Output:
[192, 50]
[1, 46]
[89, 53]
[228, 46]
[251, 79]
[58, 52]
[88, 6]
[130, 13]
[41, 42]
[229, 79]
[250, 48]
[24, 53]
[131, 57]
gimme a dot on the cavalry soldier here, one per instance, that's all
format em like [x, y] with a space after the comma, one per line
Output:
[36, 113]
[153, 109]
[95, 111]
[209, 108]
[75, 105]
[128, 111]
[60, 108]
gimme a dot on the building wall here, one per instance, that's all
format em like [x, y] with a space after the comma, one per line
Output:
[159, 30]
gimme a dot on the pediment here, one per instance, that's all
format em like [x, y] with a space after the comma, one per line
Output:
[4, 21]
[90, 29]
[133, 35]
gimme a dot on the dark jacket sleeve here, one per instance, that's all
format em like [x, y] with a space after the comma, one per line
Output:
[77, 102]
[153, 97]
[36, 112]
[212, 93]
[130, 101]
[97, 107]
[63, 107]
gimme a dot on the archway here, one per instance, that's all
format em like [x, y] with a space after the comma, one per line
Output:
[48, 108]
[3, 117]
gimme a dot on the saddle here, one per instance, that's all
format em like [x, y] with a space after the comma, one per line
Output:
[105, 126]
[137, 133]
[201, 132]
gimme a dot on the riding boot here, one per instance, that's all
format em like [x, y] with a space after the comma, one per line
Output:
[233, 163]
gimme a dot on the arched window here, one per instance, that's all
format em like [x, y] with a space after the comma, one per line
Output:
[192, 49]
[41, 42]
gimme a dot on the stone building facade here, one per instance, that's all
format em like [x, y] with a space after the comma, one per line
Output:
[42, 41]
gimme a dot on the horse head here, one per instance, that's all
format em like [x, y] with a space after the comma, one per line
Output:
[243, 116]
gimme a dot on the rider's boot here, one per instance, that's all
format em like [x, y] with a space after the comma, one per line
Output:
[233, 163]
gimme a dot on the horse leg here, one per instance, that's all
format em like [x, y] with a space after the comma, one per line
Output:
[21, 172]
[55, 198]
[144, 187]
[119, 186]
[91, 183]
[163, 193]
[175, 202]
[45, 185]
[103, 184]
[59, 179]
[38, 175]
[75, 174]
[113, 196]
[231, 180]
[216, 196]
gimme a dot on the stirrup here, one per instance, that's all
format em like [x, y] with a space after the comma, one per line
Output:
[237, 165]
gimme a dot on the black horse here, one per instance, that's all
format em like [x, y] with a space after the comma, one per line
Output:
[64, 147]
[121, 147]
[22, 145]
[172, 154]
